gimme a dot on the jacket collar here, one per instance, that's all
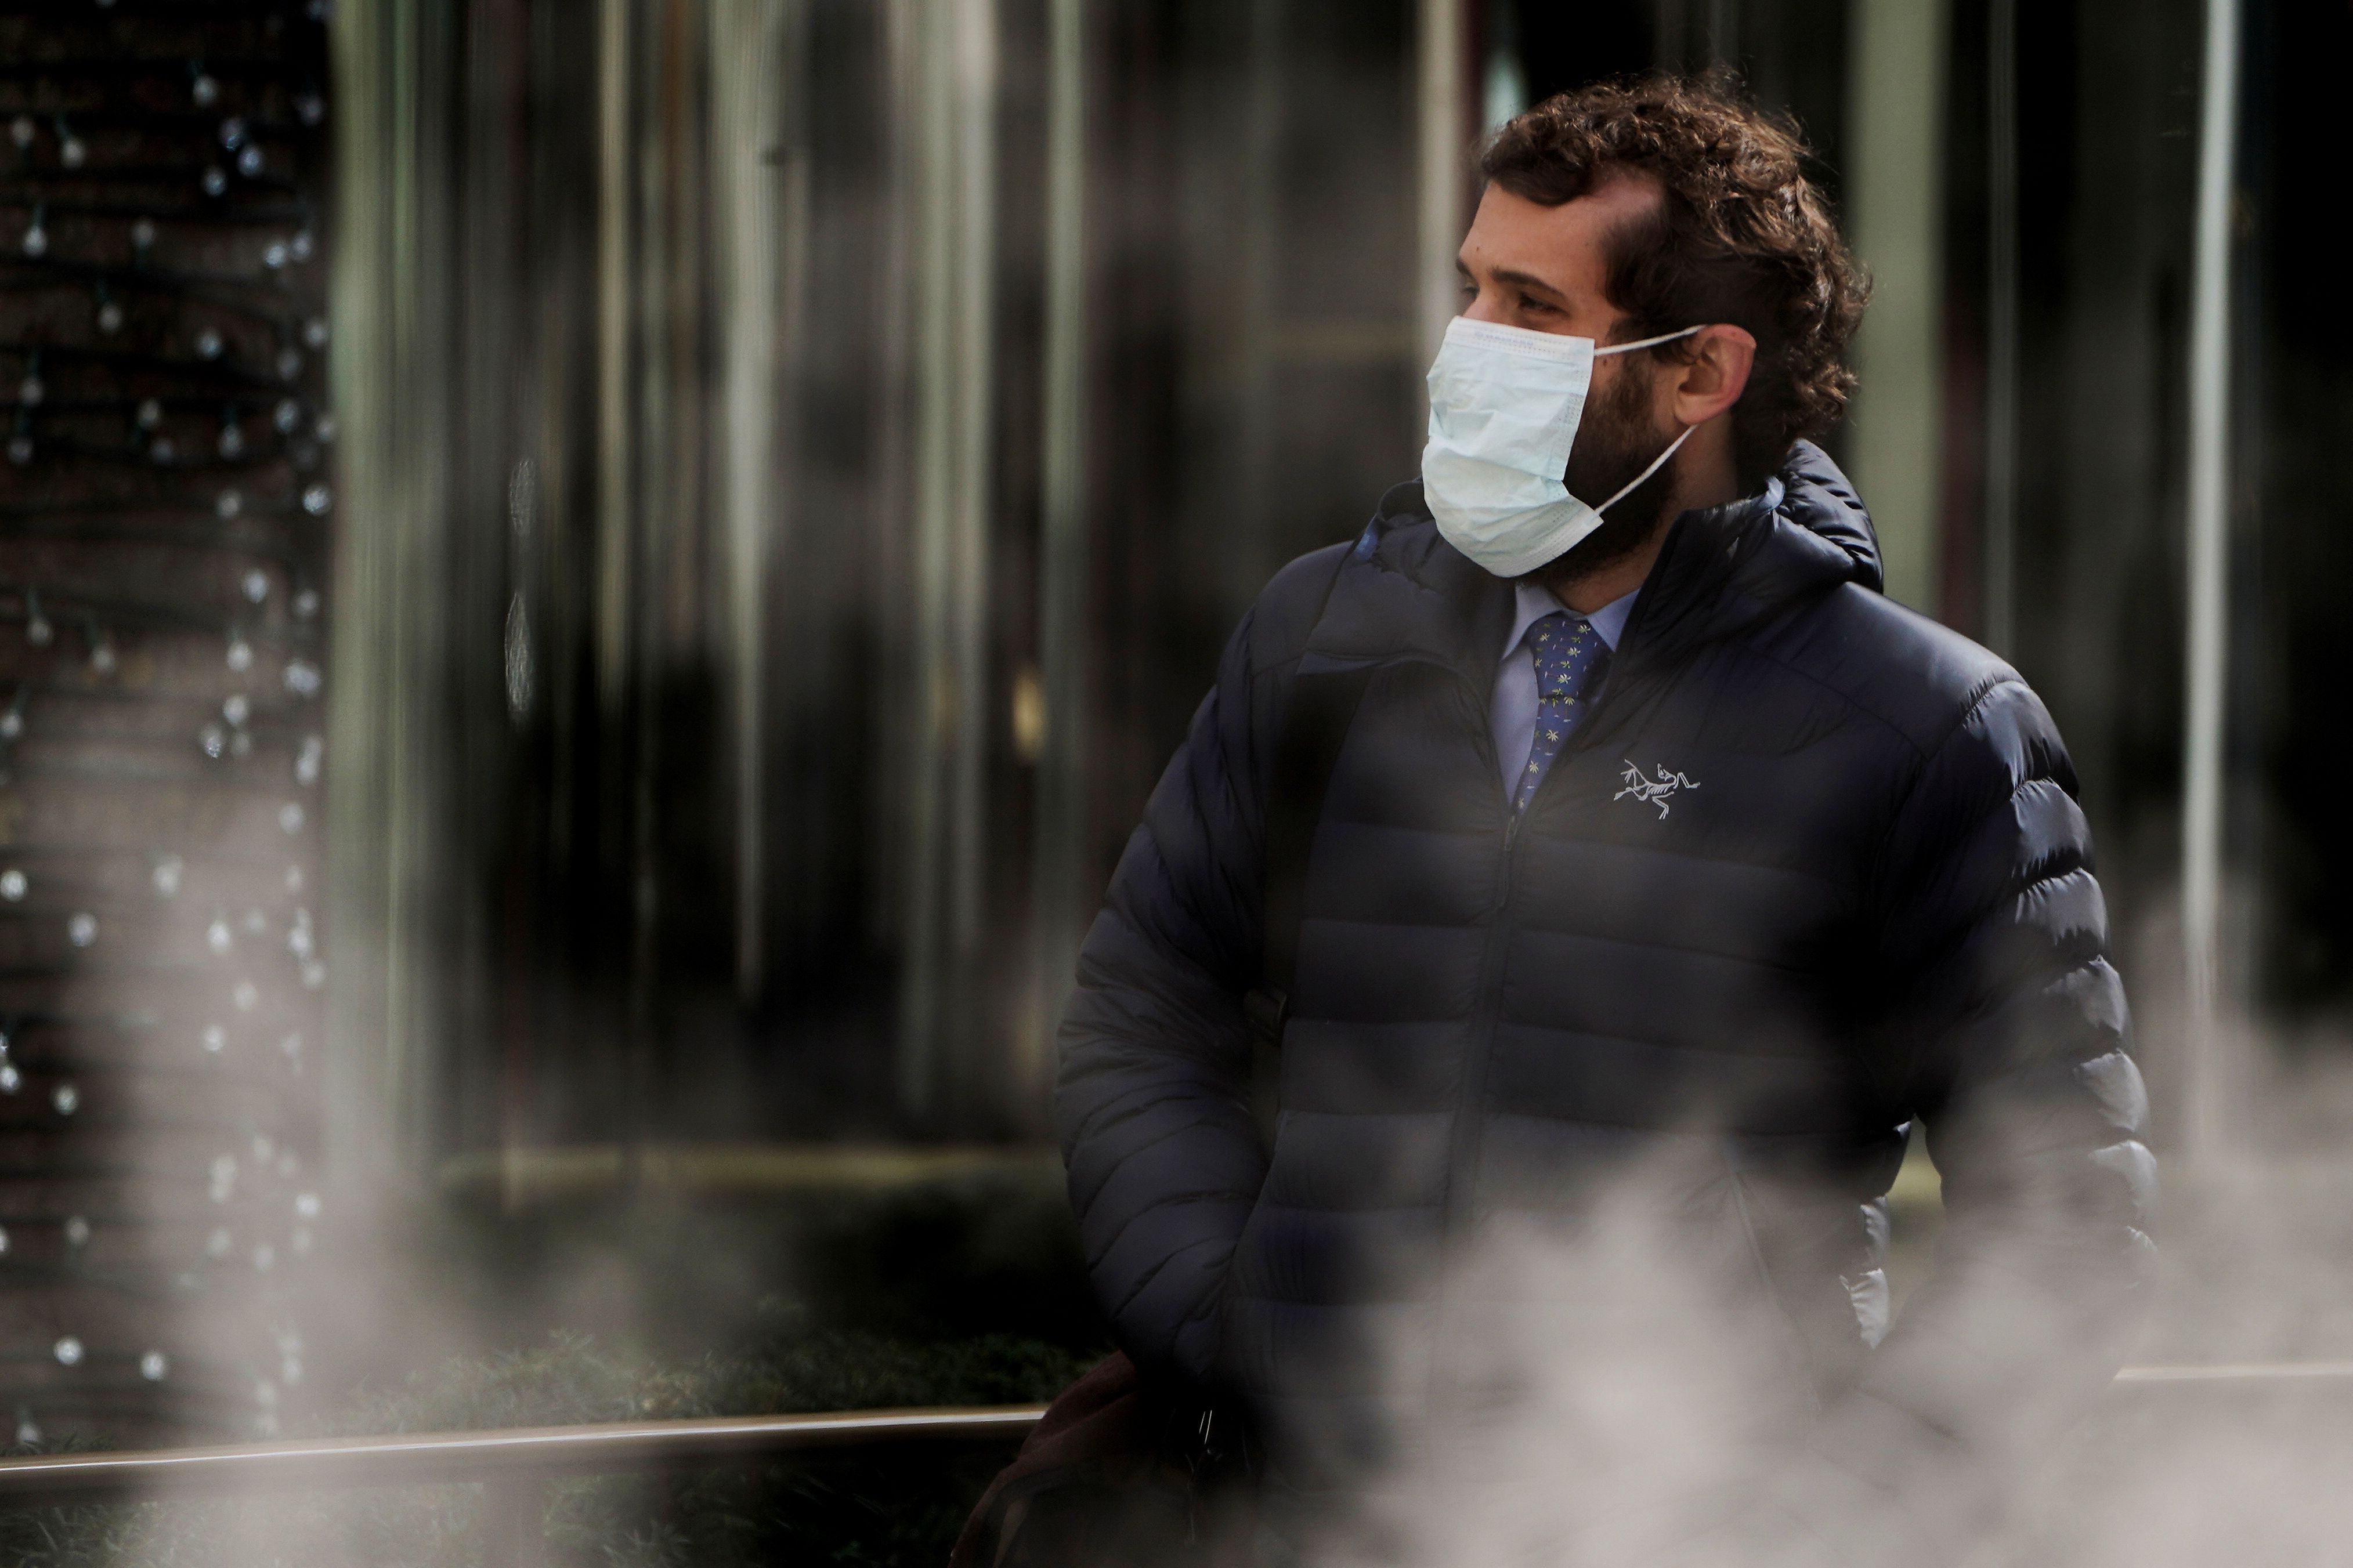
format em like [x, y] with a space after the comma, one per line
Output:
[1404, 591]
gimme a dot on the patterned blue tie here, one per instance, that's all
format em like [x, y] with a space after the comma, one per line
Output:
[1569, 654]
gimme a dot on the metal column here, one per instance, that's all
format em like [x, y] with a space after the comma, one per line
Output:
[2209, 568]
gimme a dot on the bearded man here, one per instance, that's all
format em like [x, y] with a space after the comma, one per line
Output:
[1616, 879]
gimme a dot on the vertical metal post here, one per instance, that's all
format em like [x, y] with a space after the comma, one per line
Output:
[956, 102]
[1999, 600]
[1894, 128]
[1442, 97]
[1058, 833]
[615, 210]
[2208, 570]
[763, 244]
[1722, 32]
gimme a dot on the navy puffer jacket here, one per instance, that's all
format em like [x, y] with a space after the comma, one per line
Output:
[1866, 900]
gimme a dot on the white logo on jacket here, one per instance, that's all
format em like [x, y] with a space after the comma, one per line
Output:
[1652, 792]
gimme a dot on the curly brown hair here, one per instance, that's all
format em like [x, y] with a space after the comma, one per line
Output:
[1741, 238]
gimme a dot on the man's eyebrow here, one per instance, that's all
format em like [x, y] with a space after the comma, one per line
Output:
[1529, 280]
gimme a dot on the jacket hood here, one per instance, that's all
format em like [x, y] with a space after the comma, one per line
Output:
[1721, 570]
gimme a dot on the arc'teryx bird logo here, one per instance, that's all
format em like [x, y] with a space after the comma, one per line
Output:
[1652, 792]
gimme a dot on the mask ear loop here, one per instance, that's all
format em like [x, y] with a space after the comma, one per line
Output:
[1660, 461]
[1647, 342]
[1656, 464]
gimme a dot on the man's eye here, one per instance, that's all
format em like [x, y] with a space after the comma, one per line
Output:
[1528, 302]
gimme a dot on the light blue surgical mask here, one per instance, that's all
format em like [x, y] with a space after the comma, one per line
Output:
[1504, 405]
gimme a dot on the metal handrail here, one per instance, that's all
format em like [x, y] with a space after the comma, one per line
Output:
[428, 1457]
[514, 1465]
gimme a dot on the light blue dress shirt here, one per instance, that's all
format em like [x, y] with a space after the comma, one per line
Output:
[1511, 710]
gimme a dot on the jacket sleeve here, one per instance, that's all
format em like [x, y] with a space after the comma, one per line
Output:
[2009, 1033]
[1152, 1095]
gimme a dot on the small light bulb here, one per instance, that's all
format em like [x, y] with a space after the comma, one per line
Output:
[289, 363]
[314, 331]
[241, 655]
[289, 817]
[68, 1351]
[256, 586]
[247, 996]
[232, 132]
[67, 1099]
[302, 678]
[168, 872]
[218, 937]
[150, 414]
[21, 131]
[13, 885]
[236, 708]
[205, 90]
[78, 1231]
[143, 233]
[110, 318]
[249, 163]
[208, 343]
[216, 1039]
[228, 504]
[31, 391]
[154, 1367]
[81, 929]
[212, 738]
[214, 182]
[288, 415]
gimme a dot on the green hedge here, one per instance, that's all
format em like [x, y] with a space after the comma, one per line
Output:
[864, 1507]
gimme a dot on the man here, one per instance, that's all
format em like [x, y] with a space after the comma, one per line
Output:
[1655, 869]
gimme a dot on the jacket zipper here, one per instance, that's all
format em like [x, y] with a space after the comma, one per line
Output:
[1463, 1144]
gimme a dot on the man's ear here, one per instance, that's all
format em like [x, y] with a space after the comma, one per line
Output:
[1715, 376]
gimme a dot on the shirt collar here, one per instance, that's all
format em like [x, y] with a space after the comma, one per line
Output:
[1534, 603]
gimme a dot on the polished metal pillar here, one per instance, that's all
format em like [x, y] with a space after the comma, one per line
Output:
[2204, 1038]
